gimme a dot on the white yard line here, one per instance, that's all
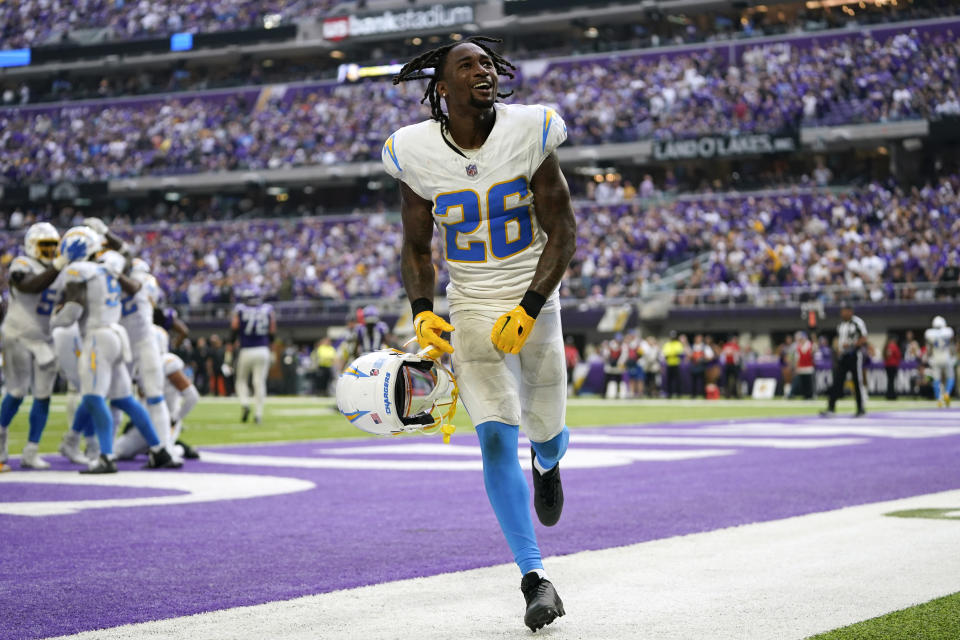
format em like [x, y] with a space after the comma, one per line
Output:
[783, 579]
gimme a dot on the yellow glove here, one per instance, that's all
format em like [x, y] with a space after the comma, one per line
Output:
[511, 330]
[428, 326]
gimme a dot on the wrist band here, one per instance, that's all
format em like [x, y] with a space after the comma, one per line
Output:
[420, 305]
[532, 303]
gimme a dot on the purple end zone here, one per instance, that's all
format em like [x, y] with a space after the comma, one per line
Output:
[26, 492]
[107, 567]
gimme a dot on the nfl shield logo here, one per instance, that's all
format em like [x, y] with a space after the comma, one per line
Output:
[471, 170]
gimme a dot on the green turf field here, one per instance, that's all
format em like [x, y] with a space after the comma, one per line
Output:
[217, 420]
[935, 620]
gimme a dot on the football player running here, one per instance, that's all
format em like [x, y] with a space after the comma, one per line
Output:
[940, 357]
[91, 297]
[486, 174]
[29, 362]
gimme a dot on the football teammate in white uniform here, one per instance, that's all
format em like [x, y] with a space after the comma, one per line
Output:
[137, 319]
[29, 363]
[68, 344]
[487, 176]
[91, 295]
[941, 352]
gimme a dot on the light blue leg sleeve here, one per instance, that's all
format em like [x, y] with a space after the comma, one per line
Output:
[550, 452]
[139, 417]
[96, 406]
[508, 491]
[8, 409]
[38, 418]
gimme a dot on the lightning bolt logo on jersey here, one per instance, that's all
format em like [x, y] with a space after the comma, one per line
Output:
[482, 203]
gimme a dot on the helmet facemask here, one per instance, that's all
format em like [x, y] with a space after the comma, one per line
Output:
[427, 393]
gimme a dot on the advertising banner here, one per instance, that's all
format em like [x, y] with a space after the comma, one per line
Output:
[725, 146]
[433, 17]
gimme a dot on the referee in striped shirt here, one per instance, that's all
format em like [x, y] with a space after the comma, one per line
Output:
[851, 338]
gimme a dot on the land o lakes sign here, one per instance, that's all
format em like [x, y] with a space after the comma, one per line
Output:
[725, 146]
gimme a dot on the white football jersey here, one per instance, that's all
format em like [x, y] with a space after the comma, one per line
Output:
[137, 310]
[103, 294]
[28, 314]
[482, 203]
[941, 342]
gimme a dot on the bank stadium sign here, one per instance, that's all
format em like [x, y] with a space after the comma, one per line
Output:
[435, 17]
[725, 146]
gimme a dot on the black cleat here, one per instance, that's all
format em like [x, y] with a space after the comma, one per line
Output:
[826, 413]
[161, 460]
[102, 465]
[859, 414]
[244, 414]
[188, 452]
[547, 493]
[543, 604]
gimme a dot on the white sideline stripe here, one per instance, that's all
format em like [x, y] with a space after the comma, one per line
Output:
[695, 439]
[574, 459]
[791, 429]
[783, 579]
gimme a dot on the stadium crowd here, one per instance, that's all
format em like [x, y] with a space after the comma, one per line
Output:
[656, 29]
[602, 101]
[868, 241]
[29, 23]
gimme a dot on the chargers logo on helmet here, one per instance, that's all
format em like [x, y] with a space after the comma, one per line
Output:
[80, 243]
[386, 392]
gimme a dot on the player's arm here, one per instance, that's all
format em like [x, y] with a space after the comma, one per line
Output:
[26, 283]
[555, 214]
[416, 269]
[71, 310]
[128, 285]
[188, 394]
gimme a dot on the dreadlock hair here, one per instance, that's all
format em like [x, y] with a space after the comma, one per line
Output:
[435, 59]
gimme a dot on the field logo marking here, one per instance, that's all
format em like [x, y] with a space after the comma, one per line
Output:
[195, 487]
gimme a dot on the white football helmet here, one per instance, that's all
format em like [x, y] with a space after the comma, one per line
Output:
[80, 243]
[139, 265]
[939, 322]
[41, 242]
[113, 260]
[389, 392]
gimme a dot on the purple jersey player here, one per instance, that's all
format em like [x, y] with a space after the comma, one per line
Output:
[254, 325]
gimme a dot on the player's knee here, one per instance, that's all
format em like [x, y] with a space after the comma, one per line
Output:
[497, 439]
[553, 449]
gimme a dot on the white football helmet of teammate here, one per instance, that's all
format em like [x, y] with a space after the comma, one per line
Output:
[139, 265]
[389, 392]
[80, 243]
[41, 242]
[939, 322]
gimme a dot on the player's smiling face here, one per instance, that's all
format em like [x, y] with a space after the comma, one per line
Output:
[469, 78]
